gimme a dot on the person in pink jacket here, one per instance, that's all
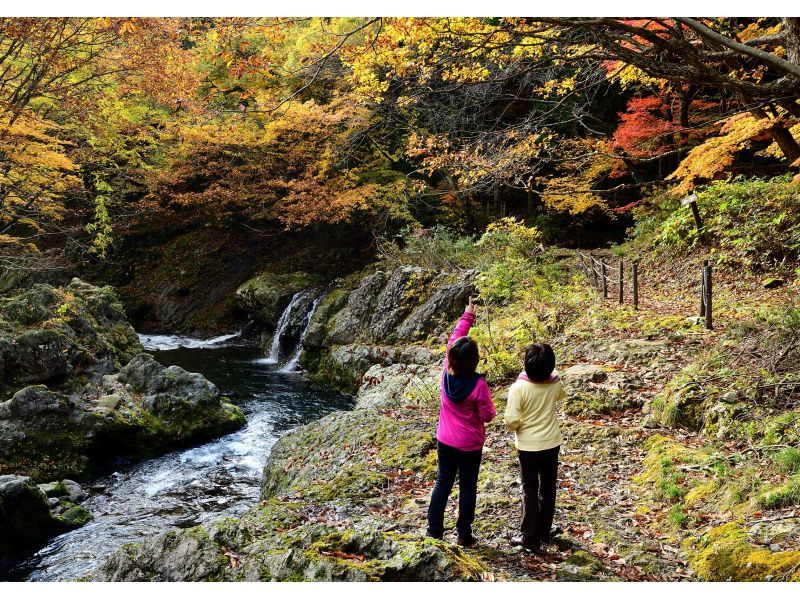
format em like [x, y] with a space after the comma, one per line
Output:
[464, 407]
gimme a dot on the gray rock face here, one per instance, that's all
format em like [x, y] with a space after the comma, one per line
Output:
[439, 310]
[174, 556]
[407, 304]
[39, 356]
[359, 305]
[393, 303]
[399, 385]
[345, 365]
[35, 402]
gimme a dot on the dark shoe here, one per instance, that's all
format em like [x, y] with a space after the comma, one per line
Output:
[470, 542]
[435, 537]
[529, 546]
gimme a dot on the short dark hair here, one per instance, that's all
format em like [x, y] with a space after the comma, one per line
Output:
[463, 356]
[540, 361]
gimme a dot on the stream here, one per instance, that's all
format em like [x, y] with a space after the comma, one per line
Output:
[187, 487]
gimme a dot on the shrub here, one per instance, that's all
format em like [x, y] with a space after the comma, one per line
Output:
[752, 221]
[435, 248]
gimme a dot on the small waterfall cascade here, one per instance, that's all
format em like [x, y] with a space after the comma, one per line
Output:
[294, 360]
[283, 322]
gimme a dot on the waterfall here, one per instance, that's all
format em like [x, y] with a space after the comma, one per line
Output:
[291, 365]
[283, 322]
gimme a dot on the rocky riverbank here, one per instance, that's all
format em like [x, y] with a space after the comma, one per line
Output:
[78, 393]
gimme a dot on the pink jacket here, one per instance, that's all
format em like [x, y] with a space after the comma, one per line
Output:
[461, 425]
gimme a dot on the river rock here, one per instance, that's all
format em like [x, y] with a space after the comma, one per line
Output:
[26, 518]
[53, 333]
[51, 435]
[267, 295]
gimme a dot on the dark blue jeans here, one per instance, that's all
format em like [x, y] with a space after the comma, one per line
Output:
[466, 465]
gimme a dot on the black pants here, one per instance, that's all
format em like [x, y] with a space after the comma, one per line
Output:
[539, 471]
[451, 462]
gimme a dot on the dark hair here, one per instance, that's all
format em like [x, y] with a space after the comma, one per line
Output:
[463, 356]
[540, 361]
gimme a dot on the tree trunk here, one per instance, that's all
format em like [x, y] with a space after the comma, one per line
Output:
[790, 27]
[530, 203]
[495, 198]
[782, 136]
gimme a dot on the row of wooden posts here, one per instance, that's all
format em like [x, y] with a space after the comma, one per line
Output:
[597, 273]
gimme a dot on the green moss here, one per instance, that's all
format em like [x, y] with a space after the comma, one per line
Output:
[785, 495]
[75, 515]
[725, 554]
[661, 471]
[788, 460]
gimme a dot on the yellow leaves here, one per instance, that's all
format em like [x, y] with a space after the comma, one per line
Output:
[37, 171]
[710, 159]
[573, 192]
[630, 76]
[558, 87]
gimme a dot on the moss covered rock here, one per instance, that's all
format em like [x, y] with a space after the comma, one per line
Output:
[267, 295]
[56, 335]
[47, 434]
[26, 519]
[725, 553]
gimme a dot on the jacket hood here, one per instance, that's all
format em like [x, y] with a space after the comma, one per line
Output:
[554, 377]
[458, 388]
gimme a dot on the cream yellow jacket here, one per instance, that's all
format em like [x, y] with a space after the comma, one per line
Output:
[531, 413]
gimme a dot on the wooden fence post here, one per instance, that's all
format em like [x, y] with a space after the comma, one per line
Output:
[620, 282]
[594, 270]
[635, 277]
[605, 278]
[703, 289]
[708, 302]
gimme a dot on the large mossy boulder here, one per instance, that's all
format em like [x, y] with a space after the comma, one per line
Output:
[266, 296]
[27, 519]
[385, 318]
[53, 335]
[406, 304]
[144, 409]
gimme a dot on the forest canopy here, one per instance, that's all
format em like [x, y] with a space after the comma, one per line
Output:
[115, 125]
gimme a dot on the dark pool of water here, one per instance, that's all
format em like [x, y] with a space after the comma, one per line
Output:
[186, 487]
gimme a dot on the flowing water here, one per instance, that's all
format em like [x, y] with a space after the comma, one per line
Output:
[187, 487]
